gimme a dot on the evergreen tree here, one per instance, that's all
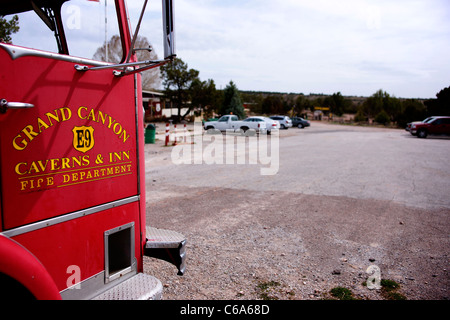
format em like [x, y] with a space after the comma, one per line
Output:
[8, 27]
[232, 101]
[178, 82]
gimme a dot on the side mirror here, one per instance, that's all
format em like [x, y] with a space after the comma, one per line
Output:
[168, 27]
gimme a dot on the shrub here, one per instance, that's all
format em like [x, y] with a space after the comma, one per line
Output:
[342, 293]
[382, 118]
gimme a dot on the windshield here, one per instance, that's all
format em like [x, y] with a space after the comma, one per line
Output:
[87, 26]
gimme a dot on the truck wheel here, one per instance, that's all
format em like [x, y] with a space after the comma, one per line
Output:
[243, 130]
[422, 133]
[13, 289]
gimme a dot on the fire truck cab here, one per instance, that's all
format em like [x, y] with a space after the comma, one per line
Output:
[72, 168]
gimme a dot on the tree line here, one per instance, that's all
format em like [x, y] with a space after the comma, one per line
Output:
[183, 87]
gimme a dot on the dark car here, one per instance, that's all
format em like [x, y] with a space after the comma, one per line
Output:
[300, 122]
[437, 126]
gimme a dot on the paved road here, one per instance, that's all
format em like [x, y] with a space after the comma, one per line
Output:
[335, 160]
[335, 200]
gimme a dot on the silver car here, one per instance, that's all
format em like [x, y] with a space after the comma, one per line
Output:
[271, 125]
[285, 121]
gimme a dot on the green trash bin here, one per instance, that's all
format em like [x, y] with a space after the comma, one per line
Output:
[150, 133]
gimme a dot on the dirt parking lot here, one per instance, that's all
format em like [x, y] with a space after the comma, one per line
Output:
[342, 199]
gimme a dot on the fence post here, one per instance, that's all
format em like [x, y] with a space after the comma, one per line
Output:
[175, 134]
[167, 134]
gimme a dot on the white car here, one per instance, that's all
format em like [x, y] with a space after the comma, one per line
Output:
[285, 121]
[271, 124]
[231, 123]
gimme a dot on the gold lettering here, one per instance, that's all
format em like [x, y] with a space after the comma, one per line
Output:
[102, 117]
[86, 160]
[42, 166]
[111, 122]
[119, 130]
[64, 116]
[23, 145]
[33, 168]
[41, 124]
[119, 156]
[51, 116]
[65, 163]
[55, 164]
[39, 181]
[77, 161]
[79, 112]
[17, 169]
[28, 130]
[124, 136]
[23, 185]
[91, 115]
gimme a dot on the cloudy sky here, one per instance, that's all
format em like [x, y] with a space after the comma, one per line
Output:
[319, 46]
[355, 47]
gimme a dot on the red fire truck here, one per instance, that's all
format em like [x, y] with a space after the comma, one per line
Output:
[72, 192]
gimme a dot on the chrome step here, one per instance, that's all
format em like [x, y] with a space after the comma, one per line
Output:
[166, 245]
[139, 287]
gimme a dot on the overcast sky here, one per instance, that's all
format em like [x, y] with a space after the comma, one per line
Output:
[319, 46]
[355, 47]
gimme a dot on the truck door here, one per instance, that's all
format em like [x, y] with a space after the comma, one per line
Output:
[234, 122]
[223, 123]
[72, 183]
[439, 126]
[67, 138]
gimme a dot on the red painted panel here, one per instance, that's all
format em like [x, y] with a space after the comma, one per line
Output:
[75, 149]
[21, 265]
[79, 242]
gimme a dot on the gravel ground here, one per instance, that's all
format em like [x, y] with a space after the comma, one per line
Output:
[240, 245]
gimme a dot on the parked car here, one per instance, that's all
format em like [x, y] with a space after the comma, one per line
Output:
[271, 125]
[231, 123]
[285, 121]
[253, 123]
[408, 125]
[300, 122]
[436, 126]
